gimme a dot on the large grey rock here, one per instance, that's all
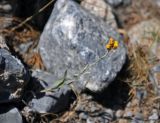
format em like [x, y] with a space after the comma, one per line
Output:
[46, 99]
[74, 38]
[10, 115]
[13, 77]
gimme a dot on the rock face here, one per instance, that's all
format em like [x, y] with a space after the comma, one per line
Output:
[101, 9]
[72, 39]
[143, 31]
[11, 115]
[49, 101]
[13, 76]
[146, 34]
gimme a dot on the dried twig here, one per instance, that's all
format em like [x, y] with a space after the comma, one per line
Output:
[31, 17]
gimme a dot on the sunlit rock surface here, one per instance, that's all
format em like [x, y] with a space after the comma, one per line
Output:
[74, 38]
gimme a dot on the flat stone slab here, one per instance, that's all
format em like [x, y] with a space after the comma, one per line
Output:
[10, 115]
[48, 97]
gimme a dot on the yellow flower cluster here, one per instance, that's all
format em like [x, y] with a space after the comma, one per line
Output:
[112, 44]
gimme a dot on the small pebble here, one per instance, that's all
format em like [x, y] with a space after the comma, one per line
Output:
[128, 114]
[154, 116]
[109, 114]
[90, 120]
[93, 109]
[128, 104]
[83, 116]
[137, 121]
[135, 102]
[138, 118]
[156, 68]
[122, 121]
[100, 120]
[155, 111]
[119, 114]
[141, 94]
[7, 7]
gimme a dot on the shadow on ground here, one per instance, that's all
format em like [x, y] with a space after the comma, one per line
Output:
[114, 97]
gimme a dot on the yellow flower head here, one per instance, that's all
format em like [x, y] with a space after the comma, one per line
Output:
[115, 46]
[108, 46]
[111, 41]
[112, 44]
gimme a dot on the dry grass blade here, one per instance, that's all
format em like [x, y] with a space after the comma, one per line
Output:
[139, 66]
[31, 17]
[35, 61]
[58, 83]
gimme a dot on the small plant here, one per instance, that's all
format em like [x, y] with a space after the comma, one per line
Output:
[112, 44]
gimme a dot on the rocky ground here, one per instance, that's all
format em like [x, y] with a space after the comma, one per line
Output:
[60, 66]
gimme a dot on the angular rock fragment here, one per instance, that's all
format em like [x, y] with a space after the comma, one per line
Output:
[13, 76]
[48, 97]
[143, 31]
[154, 76]
[10, 115]
[74, 39]
[101, 9]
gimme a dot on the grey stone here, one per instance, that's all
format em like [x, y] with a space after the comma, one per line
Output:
[90, 120]
[139, 33]
[101, 120]
[109, 114]
[116, 3]
[55, 100]
[137, 121]
[128, 114]
[138, 118]
[141, 94]
[156, 68]
[100, 9]
[6, 7]
[154, 116]
[72, 39]
[156, 2]
[153, 77]
[10, 115]
[45, 79]
[83, 116]
[52, 102]
[119, 113]
[93, 109]
[13, 77]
